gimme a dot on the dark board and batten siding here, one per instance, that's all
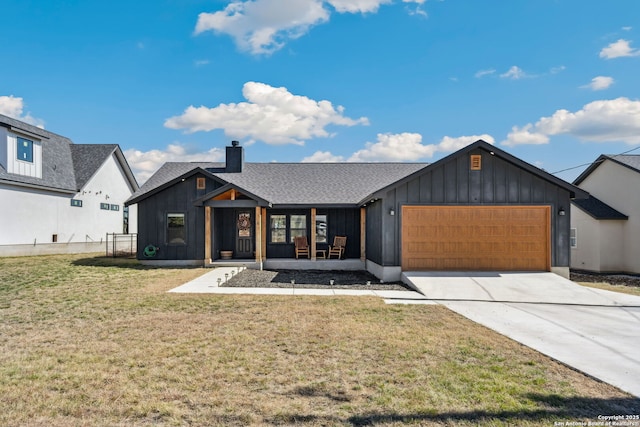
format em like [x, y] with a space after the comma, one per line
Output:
[499, 182]
[178, 198]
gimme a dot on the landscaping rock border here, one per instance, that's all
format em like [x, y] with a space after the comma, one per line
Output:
[311, 279]
[614, 279]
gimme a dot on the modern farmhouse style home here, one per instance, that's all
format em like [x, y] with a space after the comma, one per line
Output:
[477, 209]
[57, 196]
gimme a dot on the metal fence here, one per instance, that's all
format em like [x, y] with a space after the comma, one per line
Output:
[122, 245]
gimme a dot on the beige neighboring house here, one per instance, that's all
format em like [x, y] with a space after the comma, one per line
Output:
[605, 228]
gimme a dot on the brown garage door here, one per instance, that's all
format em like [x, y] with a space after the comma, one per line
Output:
[476, 238]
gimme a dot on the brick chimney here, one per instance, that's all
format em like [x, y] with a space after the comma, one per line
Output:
[235, 158]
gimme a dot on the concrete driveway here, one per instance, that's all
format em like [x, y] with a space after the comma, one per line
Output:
[592, 330]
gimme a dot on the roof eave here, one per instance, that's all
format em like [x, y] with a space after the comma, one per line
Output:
[38, 187]
[158, 189]
[229, 186]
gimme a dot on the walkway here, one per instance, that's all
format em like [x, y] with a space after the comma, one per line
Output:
[210, 282]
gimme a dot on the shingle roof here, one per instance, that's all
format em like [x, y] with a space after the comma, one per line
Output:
[57, 167]
[87, 159]
[598, 209]
[631, 161]
[66, 166]
[294, 183]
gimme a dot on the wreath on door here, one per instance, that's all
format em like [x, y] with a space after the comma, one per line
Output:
[244, 224]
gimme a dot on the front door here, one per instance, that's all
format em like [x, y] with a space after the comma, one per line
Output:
[244, 234]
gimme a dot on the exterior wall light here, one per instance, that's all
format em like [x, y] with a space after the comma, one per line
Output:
[561, 212]
[392, 212]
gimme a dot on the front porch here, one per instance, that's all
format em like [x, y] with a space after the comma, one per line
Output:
[292, 264]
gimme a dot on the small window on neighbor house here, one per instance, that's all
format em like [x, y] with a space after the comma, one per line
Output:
[115, 207]
[105, 206]
[24, 150]
[278, 228]
[573, 237]
[201, 183]
[176, 229]
[321, 229]
[54, 238]
[476, 162]
[76, 203]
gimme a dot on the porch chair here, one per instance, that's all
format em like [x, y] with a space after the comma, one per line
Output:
[302, 246]
[337, 249]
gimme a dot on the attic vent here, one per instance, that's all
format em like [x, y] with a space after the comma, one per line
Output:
[201, 183]
[476, 162]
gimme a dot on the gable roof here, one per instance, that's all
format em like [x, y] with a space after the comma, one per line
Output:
[66, 167]
[88, 158]
[575, 192]
[57, 167]
[598, 209]
[631, 161]
[290, 184]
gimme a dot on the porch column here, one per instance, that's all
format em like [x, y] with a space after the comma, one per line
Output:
[258, 233]
[363, 234]
[207, 234]
[313, 234]
[263, 249]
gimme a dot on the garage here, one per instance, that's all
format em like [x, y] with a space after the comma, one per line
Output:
[476, 238]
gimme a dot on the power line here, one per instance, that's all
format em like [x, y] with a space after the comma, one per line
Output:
[594, 162]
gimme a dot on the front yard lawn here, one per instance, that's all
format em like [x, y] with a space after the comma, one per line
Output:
[98, 341]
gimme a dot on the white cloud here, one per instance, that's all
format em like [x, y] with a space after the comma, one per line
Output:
[599, 83]
[357, 6]
[556, 70]
[523, 135]
[482, 73]
[615, 120]
[323, 157]
[408, 147]
[146, 163]
[619, 49]
[201, 62]
[265, 26]
[273, 115]
[418, 10]
[627, 28]
[514, 73]
[13, 107]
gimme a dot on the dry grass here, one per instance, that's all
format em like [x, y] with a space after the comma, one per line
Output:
[631, 290]
[94, 341]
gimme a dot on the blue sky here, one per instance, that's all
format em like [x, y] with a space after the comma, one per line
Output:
[554, 82]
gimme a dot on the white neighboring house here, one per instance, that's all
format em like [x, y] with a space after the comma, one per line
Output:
[605, 228]
[57, 196]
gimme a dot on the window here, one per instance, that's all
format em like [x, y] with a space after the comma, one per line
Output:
[278, 227]
[321, 229]
[176, 229]
[115, 207]
[105, 206]
[297, 226]
[573, 237]
[25, 150]
[201, 183]
[285, 228]
[77, 203]
[125, 220]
